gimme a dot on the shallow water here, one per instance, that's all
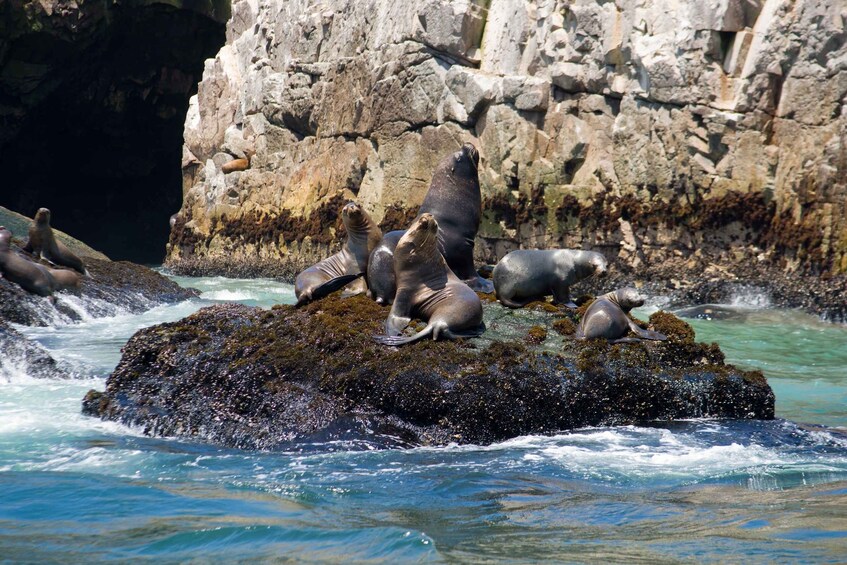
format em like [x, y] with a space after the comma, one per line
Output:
[74, 488]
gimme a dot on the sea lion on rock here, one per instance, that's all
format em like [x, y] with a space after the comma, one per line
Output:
[30, 276]
[532, 274]
[345, 266]
[428, 289]
[42, 243]
[454, 200]
[381, 282]
[607, 317]
[65, 279]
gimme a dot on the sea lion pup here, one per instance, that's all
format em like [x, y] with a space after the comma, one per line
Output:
[607, 317]
[42, 243]
[345, 266]
[381, 282]
[532, 274]
[428, 289]
[454, 200]
[30, 276]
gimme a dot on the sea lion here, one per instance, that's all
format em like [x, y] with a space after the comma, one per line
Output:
[381, 282]
[345, 266]
[235, 165]
[65, 279]
[607, 317]
[454, 200]
[30, 276]
[531, 274]
[428, 289]
[42, 243]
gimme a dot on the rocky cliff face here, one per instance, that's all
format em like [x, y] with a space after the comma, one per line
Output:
[688, 131]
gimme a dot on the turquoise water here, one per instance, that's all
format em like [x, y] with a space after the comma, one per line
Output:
[75, 489]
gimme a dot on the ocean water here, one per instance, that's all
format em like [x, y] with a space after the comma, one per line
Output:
[76, 489]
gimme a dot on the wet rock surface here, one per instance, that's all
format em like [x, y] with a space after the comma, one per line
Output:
[24, 357]
[269, 379]
[111, 287]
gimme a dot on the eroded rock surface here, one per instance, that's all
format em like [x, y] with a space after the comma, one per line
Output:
[696, 133]
[252, 378]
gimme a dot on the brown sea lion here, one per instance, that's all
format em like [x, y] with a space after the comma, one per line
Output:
[30, 276]
[532, 274]
[607, 317]
[345, 266]
[454, 200]
[241, 164]
[428, 289]
[66, 279]
[42, 243]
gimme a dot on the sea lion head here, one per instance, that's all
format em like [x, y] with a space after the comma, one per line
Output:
[352, 212]
[465, 162]
[42, 216]
[420, 240]
[628, 298]
[5, 238]
[599, 263]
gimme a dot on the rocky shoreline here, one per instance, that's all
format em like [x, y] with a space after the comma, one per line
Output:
[269, 379]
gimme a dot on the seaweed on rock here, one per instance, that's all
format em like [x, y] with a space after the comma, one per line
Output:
[254, 378]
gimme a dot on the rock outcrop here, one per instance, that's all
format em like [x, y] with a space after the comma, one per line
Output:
[270, 379]
[24, 357]
[113, 287]
[694, 133]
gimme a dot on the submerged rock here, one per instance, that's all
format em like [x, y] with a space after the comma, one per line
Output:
[268, 379]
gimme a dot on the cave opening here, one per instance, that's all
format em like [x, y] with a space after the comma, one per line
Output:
[96, 127]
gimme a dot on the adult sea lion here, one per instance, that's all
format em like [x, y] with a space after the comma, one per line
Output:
[607, 317]
[30, 276]
[381, 282]
[531, 274]
[345, 266]
[428, 289]
[42, 243]
[454, 200]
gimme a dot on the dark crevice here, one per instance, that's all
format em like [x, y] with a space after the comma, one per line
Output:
[102, 147]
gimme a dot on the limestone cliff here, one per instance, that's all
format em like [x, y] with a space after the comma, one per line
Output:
[699, 132]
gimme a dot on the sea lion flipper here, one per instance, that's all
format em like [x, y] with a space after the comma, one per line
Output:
[646, 334]
[480, 284]
[395, 340]
[332, 285]
[655, 336]
[354, 288]
[625, 340]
